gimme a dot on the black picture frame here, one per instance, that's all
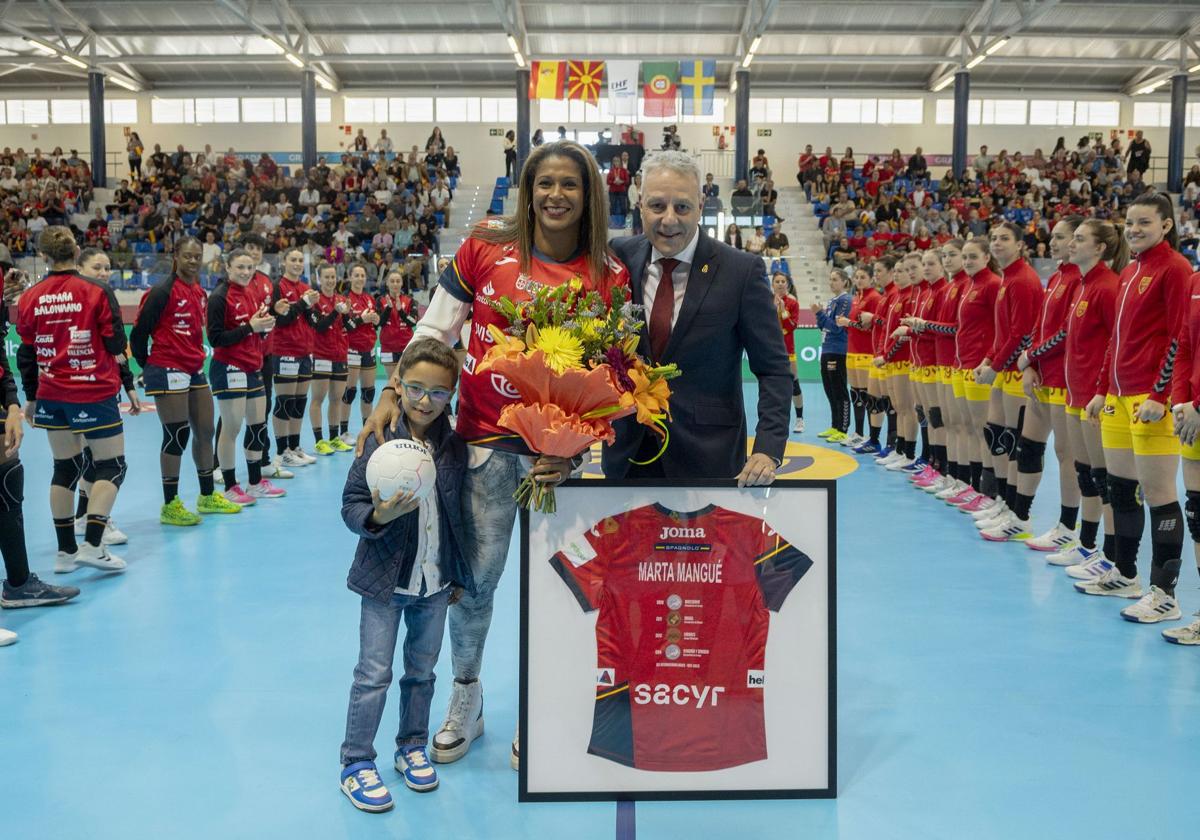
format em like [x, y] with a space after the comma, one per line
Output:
[827, 792]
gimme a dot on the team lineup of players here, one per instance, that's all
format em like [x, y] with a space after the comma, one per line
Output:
[965, 345]
[282, 337]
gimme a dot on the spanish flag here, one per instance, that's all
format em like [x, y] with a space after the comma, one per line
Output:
[547, 79]
[584, 79]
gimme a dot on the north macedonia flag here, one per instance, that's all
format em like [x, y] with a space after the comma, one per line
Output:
[584, 79]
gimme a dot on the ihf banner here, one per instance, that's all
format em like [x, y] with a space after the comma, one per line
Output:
[677, 642]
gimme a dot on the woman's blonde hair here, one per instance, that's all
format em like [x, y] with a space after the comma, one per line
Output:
[593, 226]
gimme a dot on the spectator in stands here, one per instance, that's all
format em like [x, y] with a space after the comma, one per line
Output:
[733, 236]
[777, 243]
[537, 139]
[742, 190]
[210, 253]
[756, 244]
[918, 169]
[436, 142]
[618, 189]
[760, 167]
[383, 146]
[510, 154]
[133, 147]
[983, 161]
[769, 195]
[361, 143]
[450, 163]
[710, 189]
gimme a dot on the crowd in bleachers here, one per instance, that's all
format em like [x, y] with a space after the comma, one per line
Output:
[896, 203]
[372, 205]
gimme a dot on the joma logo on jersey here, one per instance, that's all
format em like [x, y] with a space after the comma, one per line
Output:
[679, 695]
[504, 387]
[676, 533]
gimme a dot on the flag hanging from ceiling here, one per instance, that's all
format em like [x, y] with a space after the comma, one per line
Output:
[547, 79]
[622, 87]
[660, 81]
[697, 83]
[584, 80]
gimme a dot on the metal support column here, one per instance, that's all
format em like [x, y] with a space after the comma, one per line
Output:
[1175, 153]
[962, 95]
[308, 119]
[524, 129]
[741, 121]
[96, 128]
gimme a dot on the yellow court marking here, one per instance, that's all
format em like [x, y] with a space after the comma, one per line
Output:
[800, 460]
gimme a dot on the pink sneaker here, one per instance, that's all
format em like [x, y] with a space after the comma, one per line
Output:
[238, 496]
[927, 475]
[962, 498]
[980, 502]
[266, 490]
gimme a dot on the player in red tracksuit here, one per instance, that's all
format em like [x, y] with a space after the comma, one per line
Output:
[362, 325]
[168, 343]
[1185, 397]
[291, 357]
[954, 410]
[331, 344]
[1017, 305]
[1045, 386]
[897, 356]
[859, 354]
[1140, 445]
[1098, 250]
[71, 335]
[238, 318]
[927, 379]
[397, 320]
[873, 320]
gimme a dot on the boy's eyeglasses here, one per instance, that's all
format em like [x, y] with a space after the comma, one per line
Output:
[416, 393]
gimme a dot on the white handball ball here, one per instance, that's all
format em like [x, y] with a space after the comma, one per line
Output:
[399, 466]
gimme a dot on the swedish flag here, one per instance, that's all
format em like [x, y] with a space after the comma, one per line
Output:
[697, 83]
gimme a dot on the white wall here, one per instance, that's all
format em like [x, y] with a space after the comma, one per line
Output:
[483, 160]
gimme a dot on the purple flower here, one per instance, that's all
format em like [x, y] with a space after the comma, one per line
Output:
[616, 359]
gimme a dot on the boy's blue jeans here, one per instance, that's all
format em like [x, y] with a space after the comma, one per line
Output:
[425, 622]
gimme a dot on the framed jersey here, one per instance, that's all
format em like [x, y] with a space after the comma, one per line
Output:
[678, 642]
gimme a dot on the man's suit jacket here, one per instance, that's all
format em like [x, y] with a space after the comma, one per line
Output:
[727, 307]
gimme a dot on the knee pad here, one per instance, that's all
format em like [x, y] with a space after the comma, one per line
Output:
[248, 438]
[89, 465]
[1085, 480]
[935, 418]
[1191, 512]
[280, 410]
[1100, 479]
[12, 485]
[922, 417]
[368, 394]
[1008, 440]
[1031, 455]
[1122, 493]
[297, 407]
[883, 404]
[349, 395]
[795, 387]
[991, 437]
[112, 469]
[175, 438]
[67, 472]
[257, 439]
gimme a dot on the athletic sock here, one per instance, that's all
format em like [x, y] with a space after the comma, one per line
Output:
[1110, 548]
[81, 504]
[230, 477]
[1021, 505]
[1166, 542]
[1087, 534]
[344, 427]
[1067, 516]
[1010, 496]
[317, 434]
[255, 471]
[333, 433]
[94, 532]
[891, 428]
[875, 430]
[941, 459]
[1001, 488]
[799, 412]
[170, 485]
[910, 449]
[64, 530]
[976, 479]
[281, 444]
[926, 452]
[206, 482]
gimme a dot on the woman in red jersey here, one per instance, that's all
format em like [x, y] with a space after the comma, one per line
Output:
[896, 360]
[71, 336]
[168, 342]
[1185, 395]
[558, 235]
[397, 319]
[858, 353]
[954, 407]
[873, 321]
[238, 317]
[788, 310]
[1044, 380]
[1099, 251]
[291, 354]
[1140, 446]
[1017, 305]
[362, 325]
[331, 346]
[928, 377]
[94, 264]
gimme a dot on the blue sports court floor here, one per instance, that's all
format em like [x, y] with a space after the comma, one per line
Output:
[202, 694]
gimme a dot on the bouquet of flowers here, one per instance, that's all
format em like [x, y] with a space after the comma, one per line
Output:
[574, 362]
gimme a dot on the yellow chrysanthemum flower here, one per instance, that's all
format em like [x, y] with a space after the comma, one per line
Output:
[589, 328]
[562, 350]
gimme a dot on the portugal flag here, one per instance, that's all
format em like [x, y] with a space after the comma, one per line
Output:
[547, 79]
[660, 80]
[584, 79]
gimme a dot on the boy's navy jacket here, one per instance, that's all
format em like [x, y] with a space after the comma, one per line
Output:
[386, 554]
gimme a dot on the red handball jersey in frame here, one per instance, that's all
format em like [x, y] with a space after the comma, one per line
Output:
[684, 602]
[480, 273]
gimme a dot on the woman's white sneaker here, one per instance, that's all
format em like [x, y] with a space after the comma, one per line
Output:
[1056, 539]
[1189, 635]
[8, 637]
[98, 558]
[1090, 569]
[1153, 607]
[1111, 583]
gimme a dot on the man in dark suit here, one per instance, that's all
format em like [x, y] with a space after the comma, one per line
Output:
[714, 304]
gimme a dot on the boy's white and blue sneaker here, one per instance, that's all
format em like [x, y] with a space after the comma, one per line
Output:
[413, 764]
[35, 593]
[361, 784]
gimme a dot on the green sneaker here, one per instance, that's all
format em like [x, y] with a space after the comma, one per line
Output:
[174, 513]
[827, 433]
[324, 447]
[836, 437]
[216, 503]
[340, 445]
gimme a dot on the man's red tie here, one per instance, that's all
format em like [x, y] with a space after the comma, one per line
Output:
[663, 308]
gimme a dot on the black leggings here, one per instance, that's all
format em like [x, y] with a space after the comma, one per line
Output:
[833, 379]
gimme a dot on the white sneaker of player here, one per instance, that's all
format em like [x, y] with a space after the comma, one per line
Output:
[852, 440]
[953, 490]
[277, 470]
[900, 463]
[1153, 607]
[347, 438]
[8, 637]
[1071, 555]
[1112, 583]
[1094, 567]
[98, 558]
[306, 457]
[889, 459]
[999, 516]
[291, 459]
[942, 482]
[1189, 635]
[990, 510]
[1056, 539]
[112, 534]
[1011, 528]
